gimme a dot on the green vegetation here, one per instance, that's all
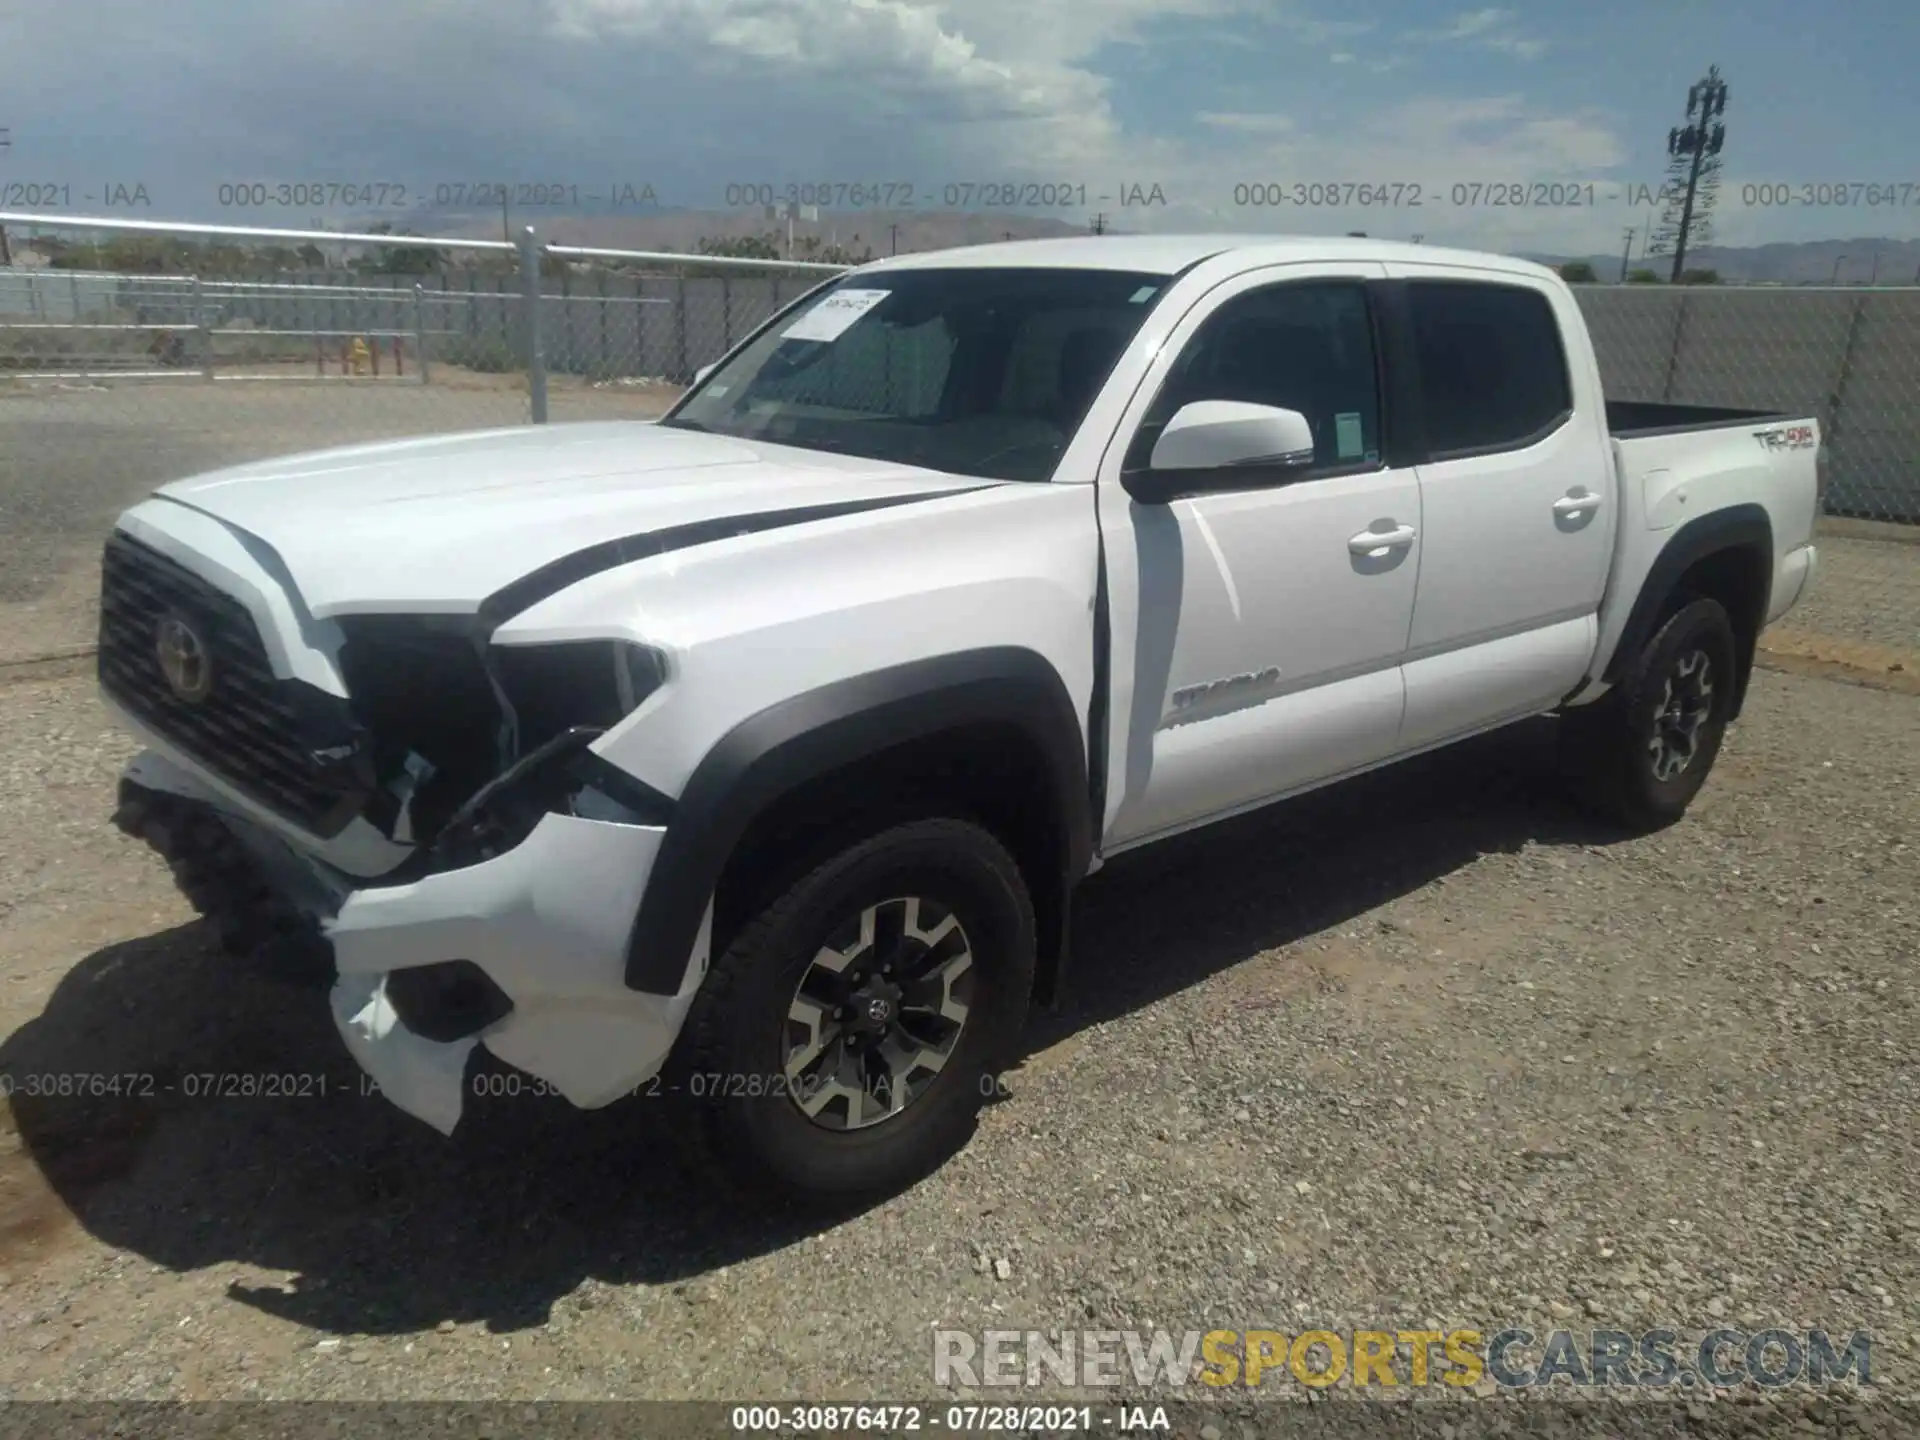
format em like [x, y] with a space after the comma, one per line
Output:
[488, 356]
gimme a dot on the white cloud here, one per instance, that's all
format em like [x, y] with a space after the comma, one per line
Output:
[1518, 46]
[1248, 122]
[1422, 148]
[1320, 32]
[691, 95]
[1008, 73]
[1492, 28]
[1475, 22]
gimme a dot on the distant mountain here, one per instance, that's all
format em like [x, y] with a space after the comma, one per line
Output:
[681, 231]
[1809, 262]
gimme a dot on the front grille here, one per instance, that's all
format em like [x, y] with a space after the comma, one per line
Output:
[252, 728]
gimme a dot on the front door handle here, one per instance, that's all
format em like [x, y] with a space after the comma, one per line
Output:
[1375, 543]
[1576, 504]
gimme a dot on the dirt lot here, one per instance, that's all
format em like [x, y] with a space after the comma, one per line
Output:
[1426, 1049]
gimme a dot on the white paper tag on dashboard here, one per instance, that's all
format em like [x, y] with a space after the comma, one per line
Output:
[834, 315]
[1347, 435]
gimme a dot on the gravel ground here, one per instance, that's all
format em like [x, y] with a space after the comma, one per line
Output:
[1866, 590]
[1423, 1050]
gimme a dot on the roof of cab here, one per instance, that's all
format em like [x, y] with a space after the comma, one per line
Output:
[1170, 254]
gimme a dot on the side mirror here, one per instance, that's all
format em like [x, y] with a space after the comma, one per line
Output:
[1208, 441]
[704, 371]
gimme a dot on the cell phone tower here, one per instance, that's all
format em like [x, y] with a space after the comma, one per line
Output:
[1693, 172]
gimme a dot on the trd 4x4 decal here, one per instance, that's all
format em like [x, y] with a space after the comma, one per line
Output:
[1787, 437]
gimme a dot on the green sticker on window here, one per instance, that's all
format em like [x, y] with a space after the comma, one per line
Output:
[1346, 434]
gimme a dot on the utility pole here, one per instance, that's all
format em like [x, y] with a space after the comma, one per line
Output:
[1099, 226]
[1627, 253]
[6, 144]
[893, 239]
[1694, 165]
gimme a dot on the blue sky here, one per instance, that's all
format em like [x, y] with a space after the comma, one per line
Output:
[1196, 96]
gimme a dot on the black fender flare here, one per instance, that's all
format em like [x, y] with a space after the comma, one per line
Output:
[1738, 528]
[799, 739]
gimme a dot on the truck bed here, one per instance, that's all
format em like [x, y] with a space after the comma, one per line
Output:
[1632, 419]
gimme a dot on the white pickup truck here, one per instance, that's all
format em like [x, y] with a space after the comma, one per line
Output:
[751, 756]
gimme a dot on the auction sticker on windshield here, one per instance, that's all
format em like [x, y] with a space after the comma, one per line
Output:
[834, 315]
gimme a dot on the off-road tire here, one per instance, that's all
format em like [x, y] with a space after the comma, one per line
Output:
[728, 1071]
[1613, 749]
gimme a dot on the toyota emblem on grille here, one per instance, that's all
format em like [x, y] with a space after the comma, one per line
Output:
[184, 659]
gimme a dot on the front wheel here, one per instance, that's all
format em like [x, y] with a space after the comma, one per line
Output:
[842, 1045]
[1643, 752]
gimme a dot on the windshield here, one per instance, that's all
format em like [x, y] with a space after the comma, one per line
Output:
[973, 371]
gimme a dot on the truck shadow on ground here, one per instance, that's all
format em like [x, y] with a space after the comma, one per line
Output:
[390, 1229]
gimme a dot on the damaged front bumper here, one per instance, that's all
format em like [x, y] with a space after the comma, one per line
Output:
[548, 923]
[524, 952]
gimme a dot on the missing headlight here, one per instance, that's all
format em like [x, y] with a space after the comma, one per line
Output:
[562, 777]
[419, 686]
[553, 688]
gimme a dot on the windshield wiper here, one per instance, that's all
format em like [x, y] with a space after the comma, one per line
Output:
[688, 425]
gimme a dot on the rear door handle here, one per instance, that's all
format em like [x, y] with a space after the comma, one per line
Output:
[1576, 504]
[1378, 542]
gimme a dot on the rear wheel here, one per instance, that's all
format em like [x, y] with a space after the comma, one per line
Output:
[1642, 753]
[842, 1045]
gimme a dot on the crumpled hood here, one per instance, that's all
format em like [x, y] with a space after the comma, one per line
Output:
[440, 524]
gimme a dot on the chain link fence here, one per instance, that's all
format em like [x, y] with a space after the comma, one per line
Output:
[1851, 357]
[112, 383]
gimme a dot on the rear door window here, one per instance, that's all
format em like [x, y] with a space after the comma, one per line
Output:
[1493, 371]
